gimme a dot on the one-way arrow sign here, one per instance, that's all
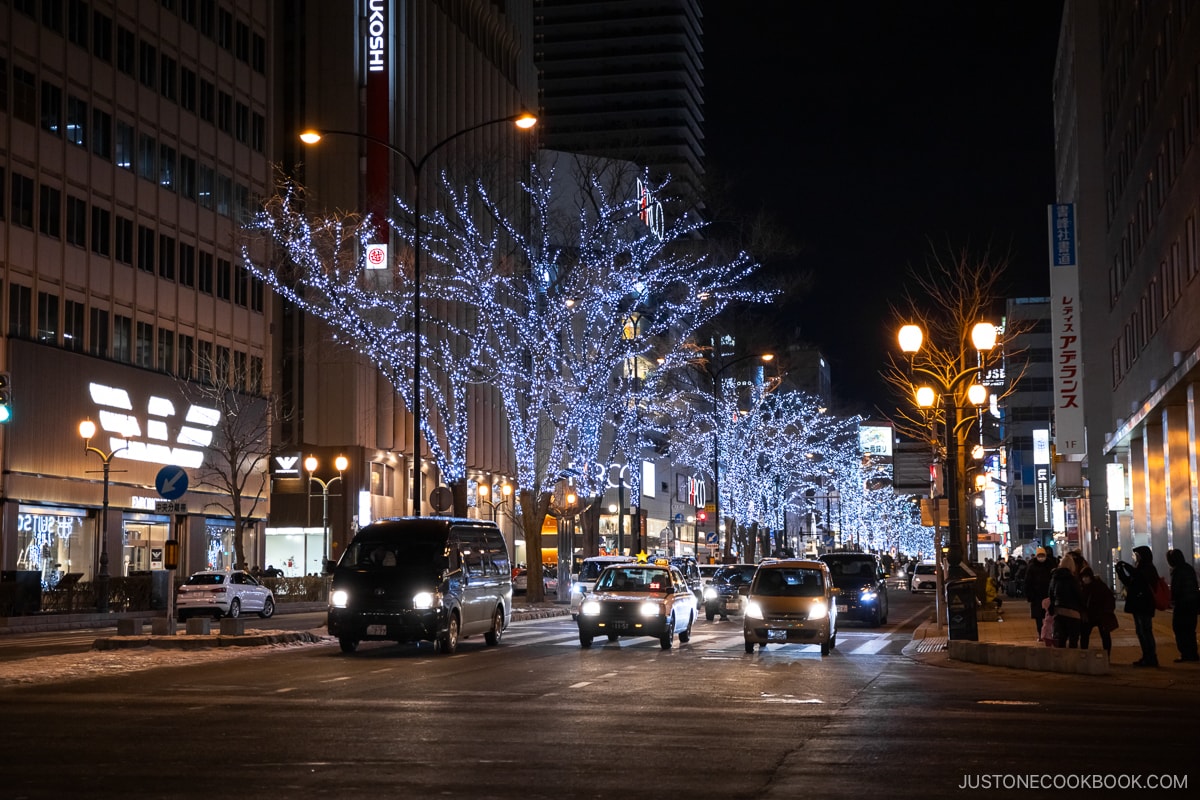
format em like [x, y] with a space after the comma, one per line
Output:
[171, 482]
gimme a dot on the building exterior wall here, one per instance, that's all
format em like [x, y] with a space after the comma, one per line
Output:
[133, 139]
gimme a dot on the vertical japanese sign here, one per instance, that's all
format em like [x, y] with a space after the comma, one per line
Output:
[1043, 502]
[376, 69]
[1065, 328]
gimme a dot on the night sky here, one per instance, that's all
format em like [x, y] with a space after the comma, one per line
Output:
[869, 130]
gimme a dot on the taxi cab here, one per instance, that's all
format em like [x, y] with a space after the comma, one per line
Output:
[638, 599]
[791, 601]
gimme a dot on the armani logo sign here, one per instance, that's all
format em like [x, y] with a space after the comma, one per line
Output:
[158, 438]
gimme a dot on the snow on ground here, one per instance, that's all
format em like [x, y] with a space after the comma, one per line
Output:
[98, 663]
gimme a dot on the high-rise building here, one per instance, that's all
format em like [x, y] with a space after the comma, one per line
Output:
[1127, 120]
[624, 80]
[134, 139]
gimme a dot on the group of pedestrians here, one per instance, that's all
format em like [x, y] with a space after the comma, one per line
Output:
[1078, 601]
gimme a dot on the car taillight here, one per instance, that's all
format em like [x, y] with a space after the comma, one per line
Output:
[218, 590]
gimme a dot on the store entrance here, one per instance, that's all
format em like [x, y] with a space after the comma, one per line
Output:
[140, 537]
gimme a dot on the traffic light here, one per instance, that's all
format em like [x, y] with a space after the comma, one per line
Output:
[701, 519]
[5, 397]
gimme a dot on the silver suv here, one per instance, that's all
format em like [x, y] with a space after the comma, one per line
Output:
[214, 593]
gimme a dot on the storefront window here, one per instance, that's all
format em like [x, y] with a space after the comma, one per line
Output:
[145, 537]
[53, 542]
[219, 554]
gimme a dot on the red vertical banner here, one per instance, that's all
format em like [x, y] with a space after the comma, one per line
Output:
[379, 45]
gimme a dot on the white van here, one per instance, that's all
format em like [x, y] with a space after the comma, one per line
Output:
[585, 580]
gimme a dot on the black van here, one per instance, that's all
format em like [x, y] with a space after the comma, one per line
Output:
[422, 579]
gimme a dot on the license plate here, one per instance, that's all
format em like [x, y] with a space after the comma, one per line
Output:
[620, 625]
[843, 608]
[377, 630]
[776, 636]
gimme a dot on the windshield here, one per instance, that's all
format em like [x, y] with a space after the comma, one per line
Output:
[735, 574]
[393, 553]
[592, 569]
[206, 579]
[924, 569]
[851, 567]
[635, 579]
[789, 583]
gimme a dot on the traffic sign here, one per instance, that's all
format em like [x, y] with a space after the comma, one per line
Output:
[169, 507]
[171, 482]
[711, 538]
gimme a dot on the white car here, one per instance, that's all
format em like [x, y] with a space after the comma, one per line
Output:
[925, 577]
[223, 593]
[584, 581]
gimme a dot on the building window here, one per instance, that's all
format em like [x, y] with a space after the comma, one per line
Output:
[76, 221]
[77, 22]
[22, 201]
[187, 264]
[187, 177]
[52, 15]
[224, 278]
[166, 167]
[126, 50]
[187, 89]
[207, 103]
[20, 311]
[146, 245]
[258, 57]
[256, 295]
[187, 356]
[122, 339]
[100, 231]
[167, 77]
[52, 108]
[241, 286]
[206, 273]
[225, 29]
[256, 374]
[50, 213]
[166, 350]
[204, 360]
[242, 42]
[148, 65]
[166, 257]
[207, 14]
[241, 123]
[98, 331]
[102, 134]
[225, 112]
[239, 370]
[102, 37]
[47, 322]
[144, 346]
[147, 157]
[125, 240]
[224, 195]
[221, 367]
[124, 145]
[204, 191]
[73, 325]
[77, 112]
[258, 127]
[24, 95]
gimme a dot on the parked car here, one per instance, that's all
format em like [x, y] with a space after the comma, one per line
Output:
[924, 577]
[520, 580]
[223, 593]
[863, 584]
[549, 580]
[791, 601]
[585, 580]
[638, 600]
[726, 593]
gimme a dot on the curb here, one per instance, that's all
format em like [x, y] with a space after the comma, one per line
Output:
[185, 642]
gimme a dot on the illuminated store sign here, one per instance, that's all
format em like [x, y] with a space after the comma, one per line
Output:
[376, 42]
[153, 443]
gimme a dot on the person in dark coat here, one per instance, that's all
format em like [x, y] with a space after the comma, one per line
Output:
[1100, 610]
[1139, 579]
[1037, 586]
[1066, 603]
[1185, 598]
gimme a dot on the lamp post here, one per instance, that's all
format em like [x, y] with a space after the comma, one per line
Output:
[954, 379]
[417, 165]
[310, 464]
[715, 376]
[482, 492]
[87, 429]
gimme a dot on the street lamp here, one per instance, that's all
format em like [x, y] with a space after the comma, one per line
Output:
[310, 464]
[715, 376]
[482, 492]
[524, 121]
[87, 429]
[954, 379]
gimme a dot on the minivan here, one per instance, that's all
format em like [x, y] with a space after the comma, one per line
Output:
[413, 579]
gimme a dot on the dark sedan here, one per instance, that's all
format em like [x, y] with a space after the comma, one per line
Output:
[863, 584]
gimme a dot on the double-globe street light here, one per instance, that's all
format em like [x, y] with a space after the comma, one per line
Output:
[952, 377]
[310, 464]
[715, 377]
[482, 491]
[87, 429]
[417, 165]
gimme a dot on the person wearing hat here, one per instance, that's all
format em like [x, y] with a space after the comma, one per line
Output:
[1139, 579]
[1037, 586]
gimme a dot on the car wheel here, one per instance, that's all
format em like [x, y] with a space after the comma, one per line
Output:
[585, 640]
[709, 614]
[686, 634]
[833, 640]
[668, 638]
[749, 647]
[825, 647]
[235, 608]
[612, 637]
[268, 609]
[347, 644]
[876, 617]
[448, 642]
[492, 637]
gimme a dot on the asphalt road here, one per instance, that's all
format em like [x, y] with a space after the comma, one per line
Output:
[540, 717]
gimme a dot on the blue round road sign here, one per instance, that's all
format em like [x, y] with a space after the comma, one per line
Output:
[171, 482]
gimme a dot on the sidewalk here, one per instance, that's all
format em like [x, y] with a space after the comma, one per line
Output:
[1016, 629]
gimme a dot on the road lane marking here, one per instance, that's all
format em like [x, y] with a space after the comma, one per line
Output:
[337, 680]
[580, 685]
[872, 647]
[285, 690]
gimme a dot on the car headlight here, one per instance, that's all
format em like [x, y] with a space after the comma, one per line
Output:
[651, 609]
[818, 610]
[339, 599]
[423, 600]
[867, 595]
[578, 588]
[710, 593]
[590, 608]
[754, 610]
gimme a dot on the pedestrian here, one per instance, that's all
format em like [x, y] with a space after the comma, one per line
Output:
[1099, 610]
[1185, 599]
[1037, 587]
[1066, 603]
[1139, 579]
